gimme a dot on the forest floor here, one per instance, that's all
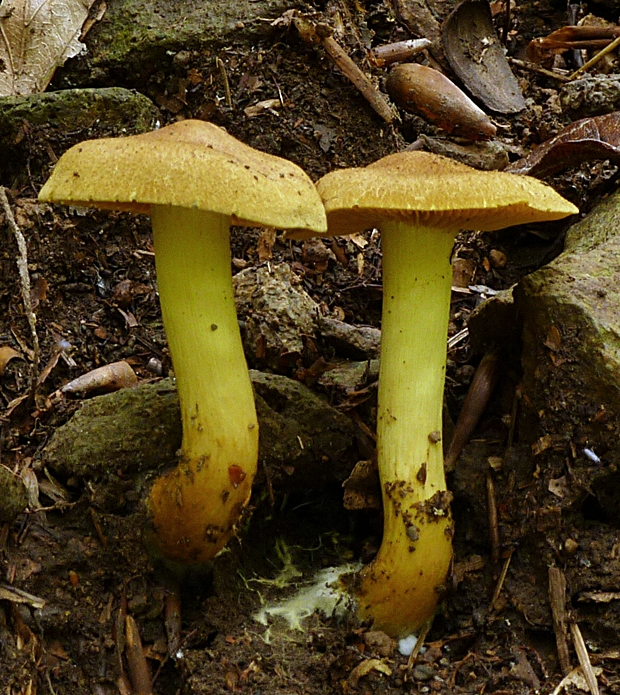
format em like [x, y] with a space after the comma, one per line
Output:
[94, 286]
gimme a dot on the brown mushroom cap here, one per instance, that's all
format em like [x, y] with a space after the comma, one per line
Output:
[435, 191]
[189, 164]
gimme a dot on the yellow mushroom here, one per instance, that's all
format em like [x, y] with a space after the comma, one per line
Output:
[195, 180]
[419, 201]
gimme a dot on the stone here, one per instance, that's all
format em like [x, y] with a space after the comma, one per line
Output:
[354, 342]
[571, 342]
[277, 313]
[39, 126]
[304, 442]
[13, 495]
[591, 96]
[136, 32]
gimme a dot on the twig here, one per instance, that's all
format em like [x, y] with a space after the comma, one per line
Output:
[224, 74]
[22, 266]
[358, 79]
[532, 67]
[612, 46]
[584, 658]
[419, 643]
[401, 50]
[136, 661]
[506, 27]
[172, 618]
[500, 581]
[557, 600]
[493, 520]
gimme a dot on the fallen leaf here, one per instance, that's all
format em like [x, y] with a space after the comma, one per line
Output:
[36, 36]
[582, 141]
[268, 105]
[264, 246]
[365, 667]
[7, 353]
[543, 48]
[476, 55]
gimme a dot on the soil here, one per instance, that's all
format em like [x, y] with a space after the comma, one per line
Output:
[81, 551]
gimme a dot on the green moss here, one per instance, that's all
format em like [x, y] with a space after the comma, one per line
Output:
[69, 110]
[139, 30]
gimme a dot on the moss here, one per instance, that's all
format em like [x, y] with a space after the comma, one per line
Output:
[87, 110]
[140, 30]
[13, 495]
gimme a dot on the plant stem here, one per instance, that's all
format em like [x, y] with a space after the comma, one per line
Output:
[400, 589]
[195, 507]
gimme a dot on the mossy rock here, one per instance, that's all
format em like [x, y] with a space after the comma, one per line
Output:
[304, 442]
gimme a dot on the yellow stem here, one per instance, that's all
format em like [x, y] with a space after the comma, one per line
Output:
[400, 589]
[193, 508]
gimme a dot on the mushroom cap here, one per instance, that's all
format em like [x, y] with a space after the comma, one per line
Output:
[435, 191]
[189, 164]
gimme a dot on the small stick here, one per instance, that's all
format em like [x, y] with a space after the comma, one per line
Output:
[136, 661]
[419, 643]
[22, 266]
[493, 523]
[532, 67]
[506, 27]
[584, 658]
[612, 46]
[172, 619]
[224, 74]
[401, 50]
[358, 79]
[500, 581]
[557, 600]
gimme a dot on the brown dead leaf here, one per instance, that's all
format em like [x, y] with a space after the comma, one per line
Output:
[365, 667]
[264, 246]
[7, 353]
[36, 36]
[476, 55]
[38, 293]
[582, 141]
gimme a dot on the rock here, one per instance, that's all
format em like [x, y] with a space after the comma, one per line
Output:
[494, 323]
[277, 314]
[571, 342]
[354, 342]
[13, 495]
[304, 442]
[486, 156]
[379, 642]
[138, 32]
[591, 96]
[349, 376]
[38, 126]
[132, 430]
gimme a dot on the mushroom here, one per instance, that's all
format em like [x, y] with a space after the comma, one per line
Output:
[419, 201]
[195, 180]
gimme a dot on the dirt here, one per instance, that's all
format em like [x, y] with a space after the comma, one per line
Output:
[81, 551]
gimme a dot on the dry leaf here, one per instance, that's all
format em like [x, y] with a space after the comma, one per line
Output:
[7, 353]
[365, 667]
[264, 246]
[582, 141]
[36, 36]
